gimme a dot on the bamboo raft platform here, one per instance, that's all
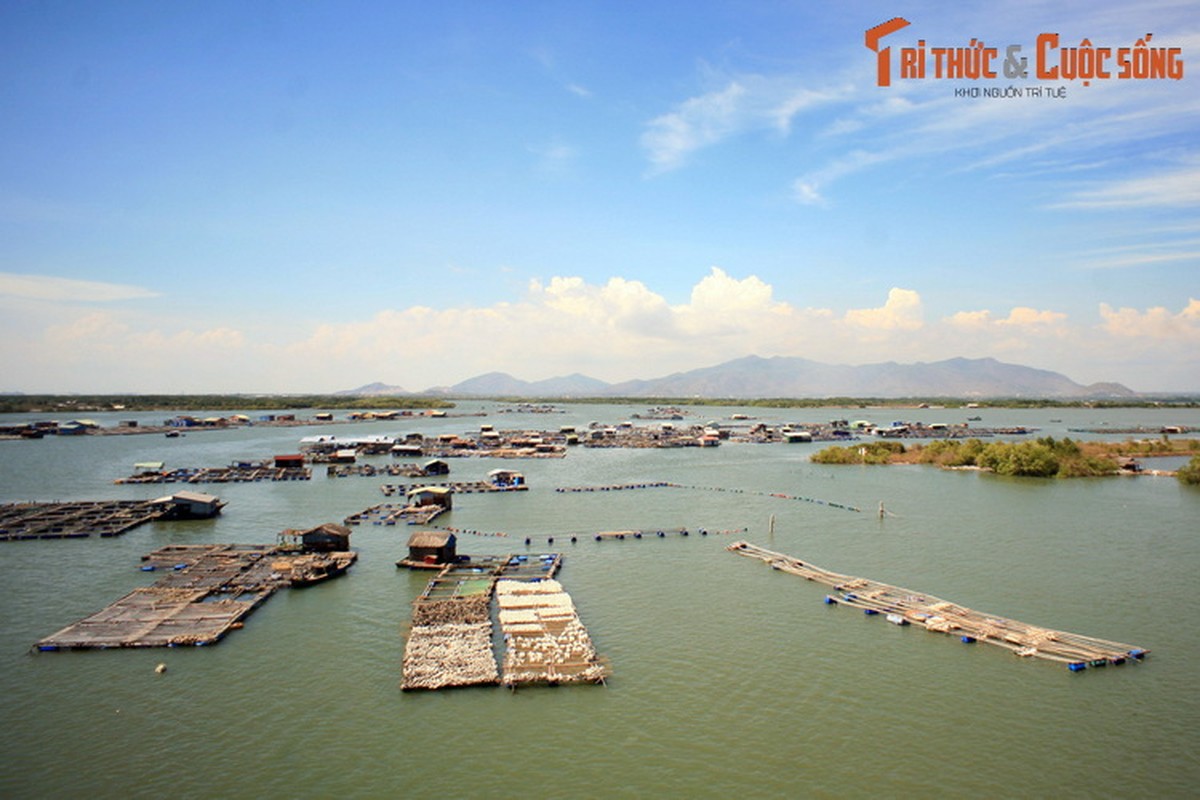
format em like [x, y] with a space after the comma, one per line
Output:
[76, 520]
[904, 606]
[208, 591]
[375, 471]
[393, 513]
[450, 643]
[231, 474]
[457, 487]
[544, 640]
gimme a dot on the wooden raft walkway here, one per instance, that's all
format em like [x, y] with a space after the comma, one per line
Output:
[207, 592]
[75, 520]
[904, 606]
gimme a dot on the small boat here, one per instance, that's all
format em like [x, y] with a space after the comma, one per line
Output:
[896, 619]
[320, 568]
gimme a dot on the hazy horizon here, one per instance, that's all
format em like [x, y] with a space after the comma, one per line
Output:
[224, 197]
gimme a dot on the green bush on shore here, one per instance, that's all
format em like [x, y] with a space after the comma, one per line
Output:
[1189, 473]
[872, 453]
[1044, 458]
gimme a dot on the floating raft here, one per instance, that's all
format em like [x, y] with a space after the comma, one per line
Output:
[208, 591]
[905, 606]
[458, 487]
[232, 474]
[76, 520]
[450, 644]
[375, 470]
[393, 513]
[545, 642]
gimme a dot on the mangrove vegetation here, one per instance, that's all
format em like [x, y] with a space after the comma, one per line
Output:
[1045, 457]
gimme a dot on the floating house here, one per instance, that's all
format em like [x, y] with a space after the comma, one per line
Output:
[192, 505]
[431, 496]
[506, 477]
[428, 549]
[436, 467]
[292, 460]
[326, 538]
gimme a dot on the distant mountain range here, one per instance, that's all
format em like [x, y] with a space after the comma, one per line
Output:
[780, 376]
[372, 390]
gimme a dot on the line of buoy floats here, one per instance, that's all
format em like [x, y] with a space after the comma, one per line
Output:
[620, 487]
[573, 538]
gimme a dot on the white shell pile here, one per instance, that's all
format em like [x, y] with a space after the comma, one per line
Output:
[545, 641]
[450, 645]
[451, 654]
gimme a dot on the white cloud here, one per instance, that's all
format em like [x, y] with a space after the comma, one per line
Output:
[615, 331]
[695, 123]
[1178, 186]
[555, 158]
[47, 287]
[901, 311]
[1154, 323]
[807, 192]
[745, 103]
[1018, 317]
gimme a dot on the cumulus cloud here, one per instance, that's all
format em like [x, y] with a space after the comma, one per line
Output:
[48, 287]
[902, 311]
[1153, 323]
[615, 330]
[619, 306]
[1019, 317]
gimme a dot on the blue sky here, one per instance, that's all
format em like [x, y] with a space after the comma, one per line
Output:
[290, 197]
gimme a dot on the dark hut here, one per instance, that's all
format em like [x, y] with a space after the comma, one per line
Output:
[436, 467]
[430, 548]
[327, 538]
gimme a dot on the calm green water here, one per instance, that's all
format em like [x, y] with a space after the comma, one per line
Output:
[728, 677]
